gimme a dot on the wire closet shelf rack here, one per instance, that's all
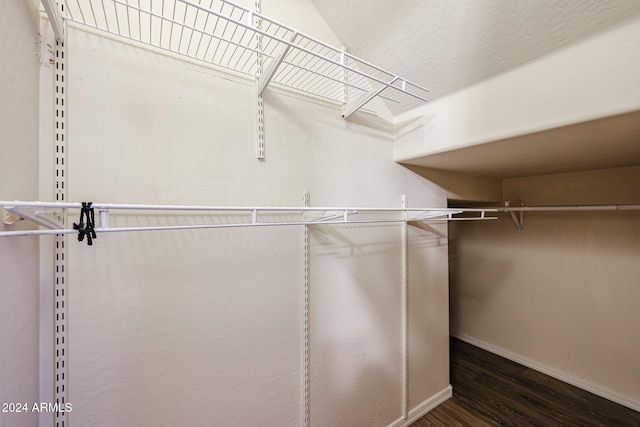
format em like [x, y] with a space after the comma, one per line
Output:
[227, 35]
[52, 216]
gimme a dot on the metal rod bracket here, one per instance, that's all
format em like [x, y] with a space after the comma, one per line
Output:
[518, 220]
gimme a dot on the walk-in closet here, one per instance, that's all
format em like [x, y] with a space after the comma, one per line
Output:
[279, 212]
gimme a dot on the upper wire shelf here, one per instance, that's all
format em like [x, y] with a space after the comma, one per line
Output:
[228, 35]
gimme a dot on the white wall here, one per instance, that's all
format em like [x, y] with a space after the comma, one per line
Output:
[562, 296]
[18, 180]
[202, 327]
[593, 78]
[301, 15]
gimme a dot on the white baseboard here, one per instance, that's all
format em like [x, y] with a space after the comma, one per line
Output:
[604, 392]
[426, 406]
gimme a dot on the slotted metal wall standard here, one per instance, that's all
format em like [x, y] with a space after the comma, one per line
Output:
[260, 149]
[224, 34]
[61, 392]
[306, 331]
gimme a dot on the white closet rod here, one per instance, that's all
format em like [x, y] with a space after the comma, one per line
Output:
[567, 208]
[517, 212]
[116, 206]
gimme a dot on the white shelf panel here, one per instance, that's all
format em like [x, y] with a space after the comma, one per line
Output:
[227, 35]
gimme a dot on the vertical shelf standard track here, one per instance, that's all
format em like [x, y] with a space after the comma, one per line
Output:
[60, 285]
[257, 23]
[405, 312]
[306, 363]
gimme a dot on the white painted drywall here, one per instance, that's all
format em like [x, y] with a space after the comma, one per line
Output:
[594, 78]
[205, 327]
[447, 46]
[301, 15]
[18, 180]
[461, 186]
[562, 296]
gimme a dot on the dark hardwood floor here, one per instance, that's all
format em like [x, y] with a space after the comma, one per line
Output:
[489, 390]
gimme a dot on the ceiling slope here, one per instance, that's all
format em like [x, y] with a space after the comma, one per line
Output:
[447, 45]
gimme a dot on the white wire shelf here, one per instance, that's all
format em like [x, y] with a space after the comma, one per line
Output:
[230, 36]
[166, 217]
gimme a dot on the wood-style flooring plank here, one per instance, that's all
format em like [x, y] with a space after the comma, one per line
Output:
[452, 413]
[489, 390]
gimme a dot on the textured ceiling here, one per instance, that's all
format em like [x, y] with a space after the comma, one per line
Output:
[445, 45]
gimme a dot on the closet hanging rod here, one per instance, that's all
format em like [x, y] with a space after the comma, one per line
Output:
[517, 212]
[567, 208]
[150, 207]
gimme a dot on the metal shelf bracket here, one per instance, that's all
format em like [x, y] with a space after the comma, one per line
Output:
[364, 99]
[267, 75]
[518, 219]
[50, 218]
[55, 17]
